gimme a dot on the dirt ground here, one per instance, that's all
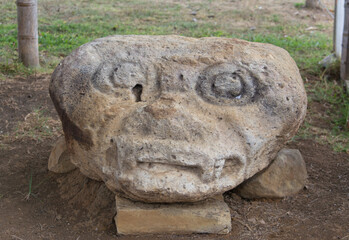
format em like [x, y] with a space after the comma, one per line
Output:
[38, 204]
[70, 206]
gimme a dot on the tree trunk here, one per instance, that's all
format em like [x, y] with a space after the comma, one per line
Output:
[28, 49]
[312, 4]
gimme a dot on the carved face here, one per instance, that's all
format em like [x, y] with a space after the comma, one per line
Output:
[170, 119]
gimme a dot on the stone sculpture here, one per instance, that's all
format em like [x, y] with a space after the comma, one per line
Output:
[175, 119]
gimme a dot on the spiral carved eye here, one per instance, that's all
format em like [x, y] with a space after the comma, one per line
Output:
[227, 84]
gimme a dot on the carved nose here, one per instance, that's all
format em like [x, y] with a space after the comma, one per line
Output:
[163, 108]
[166, 118]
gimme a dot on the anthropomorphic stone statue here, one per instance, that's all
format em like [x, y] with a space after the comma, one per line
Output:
[176, 119]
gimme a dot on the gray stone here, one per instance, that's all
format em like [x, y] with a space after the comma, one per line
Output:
[328, 60]
[59, 160]
[285, 176]
[209, 216]
[176, 119]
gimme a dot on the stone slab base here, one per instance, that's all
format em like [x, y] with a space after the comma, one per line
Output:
[209, 216]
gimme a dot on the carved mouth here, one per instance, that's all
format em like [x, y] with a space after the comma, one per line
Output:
[221, 168]
[159, 157]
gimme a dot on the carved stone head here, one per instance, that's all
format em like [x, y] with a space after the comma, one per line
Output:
[171, 119]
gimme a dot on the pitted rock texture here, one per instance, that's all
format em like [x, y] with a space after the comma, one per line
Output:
[175, 119]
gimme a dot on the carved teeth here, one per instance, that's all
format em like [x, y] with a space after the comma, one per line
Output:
[206, 174]
[158, 155]
[211, 174]
[218, 168]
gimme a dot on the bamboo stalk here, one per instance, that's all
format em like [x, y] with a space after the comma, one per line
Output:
[28, 48]
[344, 71]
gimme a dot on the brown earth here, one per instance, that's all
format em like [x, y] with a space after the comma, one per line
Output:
[70, 206]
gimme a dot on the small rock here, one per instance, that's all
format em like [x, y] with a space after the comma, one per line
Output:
[211, 16]
[285, 176]
[252, 220]
[311, 28]
[195, 20]
[59, 161]
[328, 60]
[193, 13]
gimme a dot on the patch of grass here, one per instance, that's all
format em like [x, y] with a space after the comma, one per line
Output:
[65, 25]
[304, 132]
[37, 126]
[299, 5]
[333, 97]
[27, 197]
[320, 27]
[307, 50]
[32, 188]
[4, 146]
[332, 71]
[14, 67]
[275, 18]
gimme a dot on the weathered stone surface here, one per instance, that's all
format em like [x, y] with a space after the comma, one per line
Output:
[209, 216]
[59, 160]
[285, 176]
[175, 119]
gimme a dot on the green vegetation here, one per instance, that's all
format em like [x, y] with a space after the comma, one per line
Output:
[275, 18]
[329, 128]
[65, 25]
[332, 97]
[306, 50]
[326, 120]
[299, 5]
[69, 24]
[27, 197]
[37, 126]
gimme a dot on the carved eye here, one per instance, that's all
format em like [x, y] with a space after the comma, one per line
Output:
[227, 84]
